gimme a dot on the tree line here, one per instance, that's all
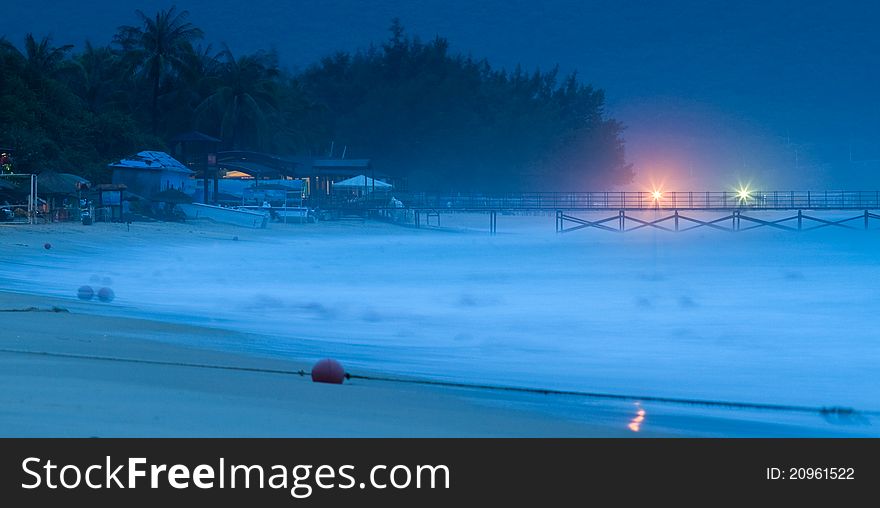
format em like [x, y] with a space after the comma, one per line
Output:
[439, 120]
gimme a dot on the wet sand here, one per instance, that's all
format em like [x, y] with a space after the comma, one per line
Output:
[67, 396]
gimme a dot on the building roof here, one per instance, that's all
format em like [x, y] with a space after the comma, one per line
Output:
[257, 164]
[150, 160]
[337, 168]
[50, 182]
[360, 182]
[254, 169]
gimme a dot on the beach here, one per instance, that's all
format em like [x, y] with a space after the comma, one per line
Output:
[69, 394]
[210, 325]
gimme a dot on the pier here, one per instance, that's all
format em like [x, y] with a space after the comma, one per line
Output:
[624, 211]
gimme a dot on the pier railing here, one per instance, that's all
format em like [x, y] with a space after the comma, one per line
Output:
[625, 200]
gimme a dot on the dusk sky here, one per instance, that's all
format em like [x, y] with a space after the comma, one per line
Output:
[783, 94]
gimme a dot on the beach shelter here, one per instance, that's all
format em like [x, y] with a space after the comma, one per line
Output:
[361, 185]
[60, 184]
[61, 191]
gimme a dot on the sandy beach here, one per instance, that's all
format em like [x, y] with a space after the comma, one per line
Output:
[67, 396]
[197, 295]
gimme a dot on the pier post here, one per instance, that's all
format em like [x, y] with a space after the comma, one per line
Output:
[558, 221]
[493, 222]
[622, 221]
[867, 215]
[800, 219]
[676, 221]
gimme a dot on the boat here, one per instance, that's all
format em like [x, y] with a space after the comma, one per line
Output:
[236, 216]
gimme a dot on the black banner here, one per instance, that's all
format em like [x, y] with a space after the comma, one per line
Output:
[427, 472]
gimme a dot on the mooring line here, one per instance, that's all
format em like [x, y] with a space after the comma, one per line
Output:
[832, 410]
[824, 410]
[152, 362]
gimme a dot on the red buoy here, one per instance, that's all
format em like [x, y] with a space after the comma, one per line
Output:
[47, 245]
[328, 370]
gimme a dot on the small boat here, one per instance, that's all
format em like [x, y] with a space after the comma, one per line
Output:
[225, 215]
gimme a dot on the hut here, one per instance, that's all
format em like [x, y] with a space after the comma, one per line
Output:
[61, 192]
[149, 172]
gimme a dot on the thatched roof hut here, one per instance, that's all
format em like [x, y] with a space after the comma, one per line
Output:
[51, 183]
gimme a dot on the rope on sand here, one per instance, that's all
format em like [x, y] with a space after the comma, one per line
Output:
[37, 309]
[825, 411]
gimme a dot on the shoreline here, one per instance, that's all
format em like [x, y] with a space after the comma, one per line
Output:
[58, 396]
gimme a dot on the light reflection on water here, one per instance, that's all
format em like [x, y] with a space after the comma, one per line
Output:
[635, 424]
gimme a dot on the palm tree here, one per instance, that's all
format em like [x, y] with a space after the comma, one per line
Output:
[156, 49]
[10, 56]
[94, 78]
[43, 59]
[195, 81]
[39, 59]
[244, 97]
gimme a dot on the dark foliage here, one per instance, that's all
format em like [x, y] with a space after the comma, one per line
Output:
[439, 120]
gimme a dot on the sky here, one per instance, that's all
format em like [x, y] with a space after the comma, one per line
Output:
[779, 94]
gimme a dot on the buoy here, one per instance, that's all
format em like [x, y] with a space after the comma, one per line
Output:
[106, 295]
[47, 245]
[85, 292]
[328, 370]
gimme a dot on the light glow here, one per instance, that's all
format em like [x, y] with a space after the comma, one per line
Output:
[657, 195]
[635, 424]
